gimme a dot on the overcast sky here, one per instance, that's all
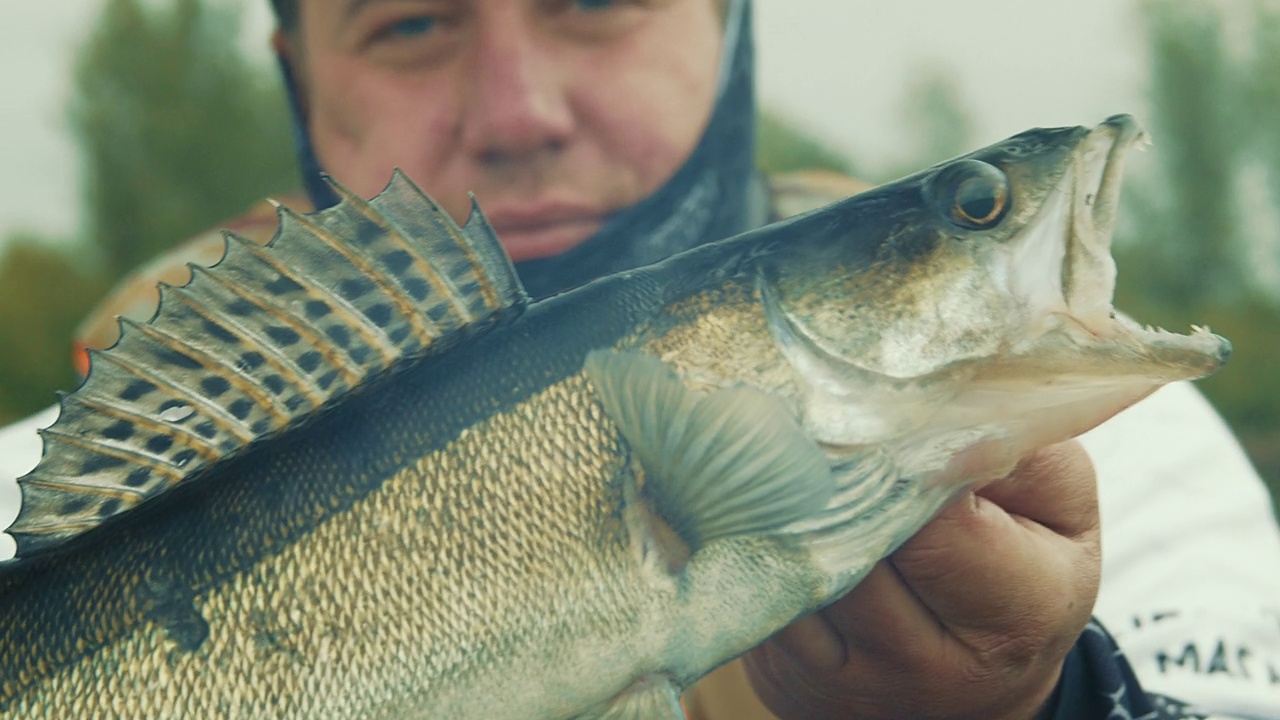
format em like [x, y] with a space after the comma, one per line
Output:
[837, 66]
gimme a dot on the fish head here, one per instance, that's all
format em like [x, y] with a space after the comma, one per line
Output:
[973, 297]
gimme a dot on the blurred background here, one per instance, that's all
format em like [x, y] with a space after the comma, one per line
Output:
[130, 125]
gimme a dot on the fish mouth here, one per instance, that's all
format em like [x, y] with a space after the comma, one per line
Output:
[1087, 202]
[1088, 270]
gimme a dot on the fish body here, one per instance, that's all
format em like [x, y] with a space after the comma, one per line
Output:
[352, 476]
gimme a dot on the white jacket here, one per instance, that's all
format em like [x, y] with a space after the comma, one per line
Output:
[1190, 555]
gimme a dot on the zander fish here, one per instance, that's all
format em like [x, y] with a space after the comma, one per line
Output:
[352, 475]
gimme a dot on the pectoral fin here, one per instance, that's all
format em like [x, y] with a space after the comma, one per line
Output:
[648, 699]
[730, 463]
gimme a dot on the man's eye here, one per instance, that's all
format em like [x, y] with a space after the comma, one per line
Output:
[410, 27]
[598, 20]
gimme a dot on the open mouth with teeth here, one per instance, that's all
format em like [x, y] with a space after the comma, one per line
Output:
[986, 299]
[1078, 223]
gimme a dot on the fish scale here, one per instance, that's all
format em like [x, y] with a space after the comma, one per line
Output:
[331, 551]
[324, 590]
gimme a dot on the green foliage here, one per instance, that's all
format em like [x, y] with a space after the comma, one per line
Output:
[783, 146]
[1195, 95]
[933, 114]
[1247, 391]
[43, 296]
[1262, 105]
[936, 121]
[178, 131]
[1196, 228]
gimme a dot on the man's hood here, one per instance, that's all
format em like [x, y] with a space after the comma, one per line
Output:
[715, 193]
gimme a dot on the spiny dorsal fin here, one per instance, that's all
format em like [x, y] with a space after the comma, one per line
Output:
[258, 343]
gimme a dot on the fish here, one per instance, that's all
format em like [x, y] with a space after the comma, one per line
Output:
[356, 473]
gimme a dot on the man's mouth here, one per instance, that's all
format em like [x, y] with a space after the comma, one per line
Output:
[538, 230]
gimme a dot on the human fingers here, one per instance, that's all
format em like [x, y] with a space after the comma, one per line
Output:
[1032, 537]
[1055, 487]
[879, 615]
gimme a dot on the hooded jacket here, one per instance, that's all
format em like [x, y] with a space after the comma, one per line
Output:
[716, 193]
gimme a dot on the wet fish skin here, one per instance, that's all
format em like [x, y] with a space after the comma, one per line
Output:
[262, 586]
[285, 555]
[492, 531]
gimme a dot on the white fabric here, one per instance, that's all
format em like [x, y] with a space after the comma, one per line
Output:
[20, 449]
[1190, 555]
[1191, 551]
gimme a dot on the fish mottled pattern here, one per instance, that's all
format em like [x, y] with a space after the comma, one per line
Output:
[397, 586]
[718, 333]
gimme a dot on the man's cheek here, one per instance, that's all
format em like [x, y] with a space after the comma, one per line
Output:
[657, 147]
[642, 155]
[362, 156]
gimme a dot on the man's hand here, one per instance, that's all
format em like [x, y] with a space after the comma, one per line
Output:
[971, 618]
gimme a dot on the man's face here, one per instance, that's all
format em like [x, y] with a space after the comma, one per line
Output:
[555, 113]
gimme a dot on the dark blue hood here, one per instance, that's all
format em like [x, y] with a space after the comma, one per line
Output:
[715, 194]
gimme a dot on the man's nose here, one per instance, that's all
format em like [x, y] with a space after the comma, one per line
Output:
[516, 104]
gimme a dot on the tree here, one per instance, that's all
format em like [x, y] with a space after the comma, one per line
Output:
[1188, 217]
[938, 123]
[43, 296]
[782, 145]
[1195, 245]
[177, 130]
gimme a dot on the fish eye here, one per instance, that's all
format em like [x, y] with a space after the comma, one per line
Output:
[972, 194]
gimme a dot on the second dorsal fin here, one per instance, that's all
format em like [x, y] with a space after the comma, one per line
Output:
[260, 342]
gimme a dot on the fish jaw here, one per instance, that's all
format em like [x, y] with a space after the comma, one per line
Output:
[1078, 362]
[1085, 351]
[987, 343]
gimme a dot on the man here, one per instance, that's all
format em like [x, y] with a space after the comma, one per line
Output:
[602, 135]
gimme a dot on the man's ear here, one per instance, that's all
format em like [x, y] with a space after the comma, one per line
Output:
[288, 52]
